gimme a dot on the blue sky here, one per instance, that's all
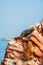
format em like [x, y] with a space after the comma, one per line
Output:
[18, 15]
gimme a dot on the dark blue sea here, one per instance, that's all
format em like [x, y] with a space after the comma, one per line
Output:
[3, 45]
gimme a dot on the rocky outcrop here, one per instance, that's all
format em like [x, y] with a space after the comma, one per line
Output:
[27, 48]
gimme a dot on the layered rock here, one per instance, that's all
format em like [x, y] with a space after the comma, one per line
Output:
[27, 48]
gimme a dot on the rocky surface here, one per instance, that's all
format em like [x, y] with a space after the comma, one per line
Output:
[27, 48]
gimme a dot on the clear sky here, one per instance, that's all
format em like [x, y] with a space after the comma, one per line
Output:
[18, 15]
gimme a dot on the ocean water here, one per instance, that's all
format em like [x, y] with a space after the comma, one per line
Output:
[3, 45]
